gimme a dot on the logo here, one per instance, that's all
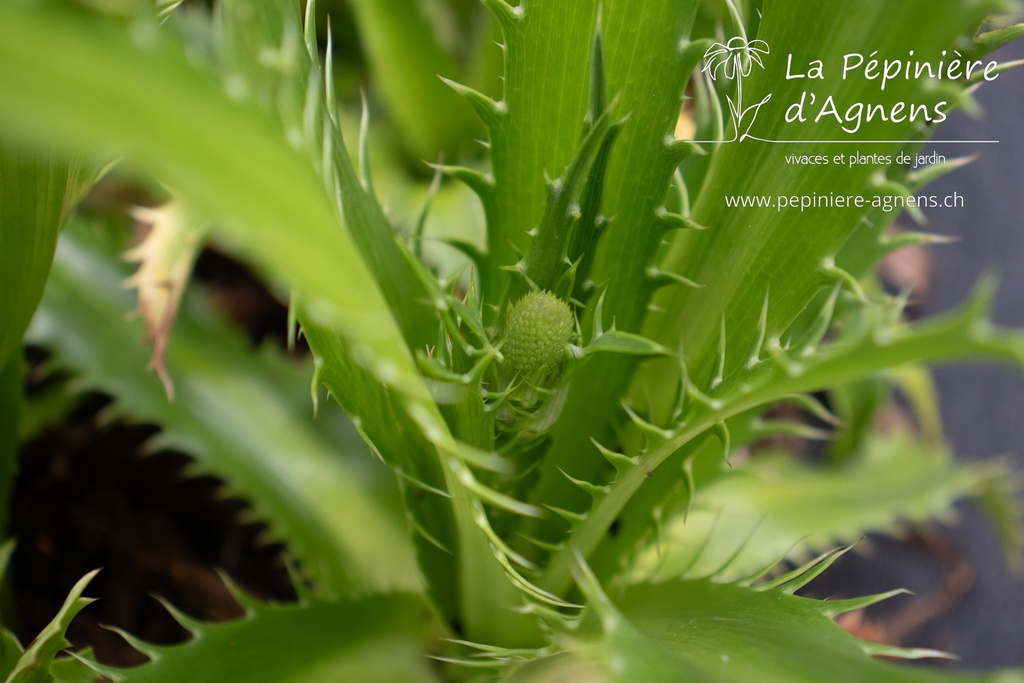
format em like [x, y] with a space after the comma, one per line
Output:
[735, 60]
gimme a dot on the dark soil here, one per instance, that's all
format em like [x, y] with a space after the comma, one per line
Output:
[90, 495]
[87, 498]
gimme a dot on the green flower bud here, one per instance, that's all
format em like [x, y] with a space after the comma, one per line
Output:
[539, 327]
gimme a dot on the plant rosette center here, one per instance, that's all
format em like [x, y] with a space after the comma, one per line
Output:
[540, 326]
[539, 331]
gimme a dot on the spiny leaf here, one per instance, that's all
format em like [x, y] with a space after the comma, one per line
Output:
[790, 582]
[654, 436]
[903, 240]
[673, 221]
[481, 184]
[680, 150]
[35, 662]
[244, 416]
[660, 278]
[377, 639]
[893, 188]
[993, 40]
[492, 497]
[726, 633]
[595, 490]
[489, 111]
[544, 261]
[620, 461]
[551, 108]
[582, 247]
[387, 257]
[966, 100]
[808, 342]
[757, 345]
[923, 176]
[615, 341]
[509, 17]
[756, 241]
[965, 333]
[649, 85]
[834, 608]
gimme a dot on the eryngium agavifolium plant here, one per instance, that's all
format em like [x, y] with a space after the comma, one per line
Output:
[564, 361]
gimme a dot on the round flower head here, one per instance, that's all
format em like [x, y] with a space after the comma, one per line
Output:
[539, 327]
[735, 58]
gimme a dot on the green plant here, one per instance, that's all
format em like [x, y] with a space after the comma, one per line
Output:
[554, 407]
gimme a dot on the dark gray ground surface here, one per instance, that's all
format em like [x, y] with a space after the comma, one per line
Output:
[983, 406]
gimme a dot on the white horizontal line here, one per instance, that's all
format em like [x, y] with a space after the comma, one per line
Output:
[865, 142]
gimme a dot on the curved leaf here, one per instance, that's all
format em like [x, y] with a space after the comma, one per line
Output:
[34, 665]
[34, 188]
[782, 374]
[712, 632]
[244, 415]
[404, 56]
[377, 640]
[777, 506]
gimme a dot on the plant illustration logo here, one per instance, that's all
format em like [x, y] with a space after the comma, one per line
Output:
[735, 60]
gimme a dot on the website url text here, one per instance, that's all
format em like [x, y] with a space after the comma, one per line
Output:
[807, 202]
